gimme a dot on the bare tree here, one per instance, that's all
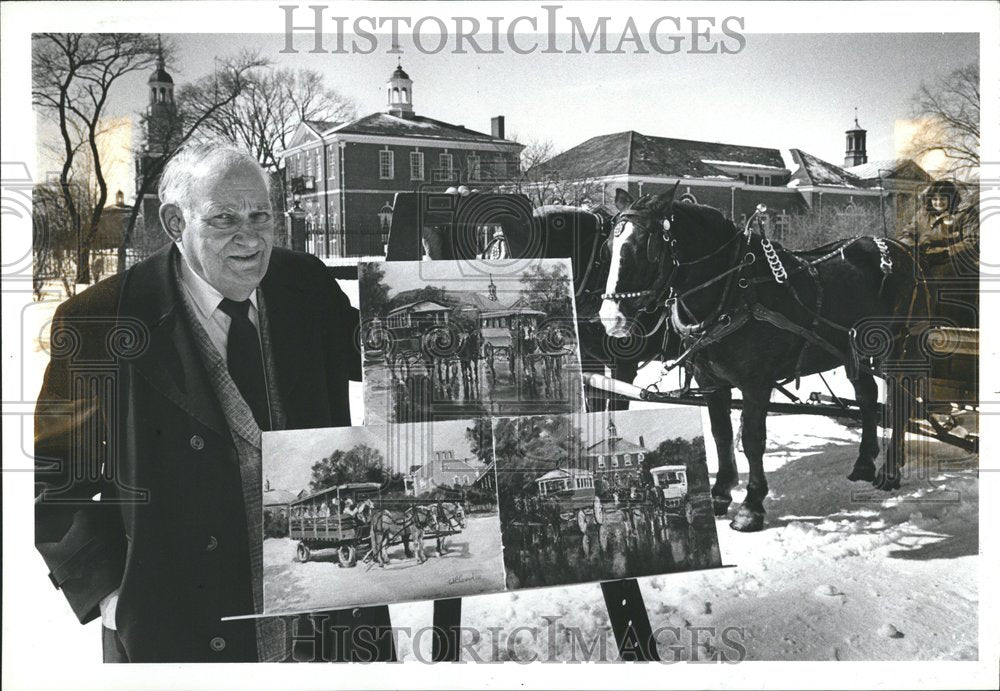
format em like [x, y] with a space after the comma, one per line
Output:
[196, 106]
[266, 113]
[72, 78]
[948, 110]
[545, 184]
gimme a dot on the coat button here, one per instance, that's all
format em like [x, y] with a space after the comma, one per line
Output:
[218, 644]
[197, 443]
[212, 544]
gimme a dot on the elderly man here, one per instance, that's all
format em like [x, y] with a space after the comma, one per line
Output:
[148, 426]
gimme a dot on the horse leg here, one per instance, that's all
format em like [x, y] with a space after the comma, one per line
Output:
[719, 407]
[867, 394]
[750, 517]
[406, 545]
[899, 396]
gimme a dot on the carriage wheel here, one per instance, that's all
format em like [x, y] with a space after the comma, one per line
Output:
[347, 556]
[689, 510]
[581, 521]
[302, 553]
[598, 510]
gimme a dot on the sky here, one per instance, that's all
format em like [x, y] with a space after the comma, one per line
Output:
[782, 90]
[288, 456]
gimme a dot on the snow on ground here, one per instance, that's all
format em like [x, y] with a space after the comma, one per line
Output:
[841, 571]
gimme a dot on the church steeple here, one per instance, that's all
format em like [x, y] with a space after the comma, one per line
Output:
[612, 430]
[161, 107]
[857, 152]
[399, 90]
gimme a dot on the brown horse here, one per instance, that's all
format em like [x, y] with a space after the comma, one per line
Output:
[752, 314]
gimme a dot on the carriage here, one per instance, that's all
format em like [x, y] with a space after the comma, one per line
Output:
[671, 484]
[571, 491]
[341, 518]
[322, 521]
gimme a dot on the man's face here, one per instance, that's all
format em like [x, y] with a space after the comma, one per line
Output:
[228, 229]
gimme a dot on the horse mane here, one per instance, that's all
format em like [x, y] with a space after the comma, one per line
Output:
[707, 218]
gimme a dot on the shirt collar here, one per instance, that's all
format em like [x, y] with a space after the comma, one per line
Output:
[206, 297]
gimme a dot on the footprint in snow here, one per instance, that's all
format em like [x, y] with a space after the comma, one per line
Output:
[889, 631]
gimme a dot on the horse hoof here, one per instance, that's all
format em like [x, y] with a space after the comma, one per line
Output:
[720, 506]
[885, 482]
[862, 473]
[747, 521]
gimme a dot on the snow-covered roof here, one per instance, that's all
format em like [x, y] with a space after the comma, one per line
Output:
[634, 153]
[387, 124]
[812, 170]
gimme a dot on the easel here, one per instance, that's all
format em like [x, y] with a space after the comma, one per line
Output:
[629, 622]
[623, 599]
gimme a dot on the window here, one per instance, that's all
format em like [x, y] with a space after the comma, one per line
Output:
[474, 169]
[417, 165]
[309, 163]
[385, 165]
[446, 164]
[765, 180]
[628, 459]
[331, 161]
[614, 461]
[600, 462]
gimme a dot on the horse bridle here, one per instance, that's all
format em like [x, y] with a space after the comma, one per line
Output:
[619, 222]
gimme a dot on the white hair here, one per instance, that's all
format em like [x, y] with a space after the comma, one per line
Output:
[183, 169]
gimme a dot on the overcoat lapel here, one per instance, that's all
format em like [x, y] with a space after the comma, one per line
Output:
[170, 362]
[290, 326]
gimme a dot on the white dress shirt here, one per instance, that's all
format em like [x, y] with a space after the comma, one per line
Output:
[206, 301]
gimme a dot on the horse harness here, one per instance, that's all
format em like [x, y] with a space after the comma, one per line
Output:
[740, 302]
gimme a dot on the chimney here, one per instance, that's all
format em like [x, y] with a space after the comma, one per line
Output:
[642, 442]
[497, 127]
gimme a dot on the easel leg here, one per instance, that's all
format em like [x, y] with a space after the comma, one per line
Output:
[447, 627]
[629, 621]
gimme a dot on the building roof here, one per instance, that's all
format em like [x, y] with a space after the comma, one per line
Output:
[893, 168]
[418, 126]
[278, 497]
[320, 126]
[160, 75]
[420, 306]
[634, 153]
[444, 465]
[815, 171]
[614, 446]
[399, 73]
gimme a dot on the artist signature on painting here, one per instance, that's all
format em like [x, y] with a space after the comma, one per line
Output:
[455, 580]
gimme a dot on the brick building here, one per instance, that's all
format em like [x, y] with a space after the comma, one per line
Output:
[733, 178]
[345, 175]
[614, 460]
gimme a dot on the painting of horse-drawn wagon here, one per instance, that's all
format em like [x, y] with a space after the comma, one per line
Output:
[577, 503]
[381, 514]
[461, 339]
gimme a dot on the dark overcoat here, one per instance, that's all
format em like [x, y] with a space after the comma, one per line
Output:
[127, 412]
